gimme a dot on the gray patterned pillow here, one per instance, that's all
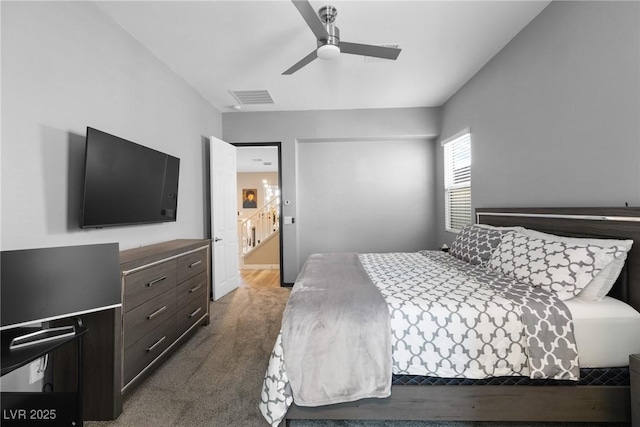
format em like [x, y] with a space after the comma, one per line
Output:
[560, 267]
[475, 244]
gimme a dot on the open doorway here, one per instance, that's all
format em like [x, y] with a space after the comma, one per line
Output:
[259, 214]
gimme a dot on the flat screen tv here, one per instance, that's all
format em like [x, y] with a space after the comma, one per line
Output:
[126, 183]
[40, 285]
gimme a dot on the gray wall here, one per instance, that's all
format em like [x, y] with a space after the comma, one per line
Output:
[299, 127]
[65, 66]
[366, 196]
[555, 116]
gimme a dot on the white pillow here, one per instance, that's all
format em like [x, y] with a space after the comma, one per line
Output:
[559, 267]
[602, 283]
[495, 227]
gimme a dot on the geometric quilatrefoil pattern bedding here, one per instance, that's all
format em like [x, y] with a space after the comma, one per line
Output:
[451, 319]
[276, 395]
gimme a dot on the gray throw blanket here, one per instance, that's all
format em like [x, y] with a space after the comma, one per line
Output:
[336, 333]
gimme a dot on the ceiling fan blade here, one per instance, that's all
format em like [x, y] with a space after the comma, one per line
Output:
[369, 50]
[311, 17]
[304, 61]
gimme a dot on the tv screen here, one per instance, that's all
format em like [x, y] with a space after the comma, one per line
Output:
[45, 284]
[126, 183]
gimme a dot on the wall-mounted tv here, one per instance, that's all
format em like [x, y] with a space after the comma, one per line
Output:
[126, 183]
[44, 284]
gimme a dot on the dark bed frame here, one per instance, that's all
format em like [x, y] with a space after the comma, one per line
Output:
[516, 402]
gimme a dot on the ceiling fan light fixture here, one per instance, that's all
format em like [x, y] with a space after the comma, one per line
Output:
[328, 38]
[328, 52]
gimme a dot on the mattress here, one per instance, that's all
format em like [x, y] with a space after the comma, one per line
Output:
[606, 332]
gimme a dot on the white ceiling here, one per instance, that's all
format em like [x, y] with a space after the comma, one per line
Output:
[221, 46]
[257, 159]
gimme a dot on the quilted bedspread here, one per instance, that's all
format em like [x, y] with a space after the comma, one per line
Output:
[451, 319]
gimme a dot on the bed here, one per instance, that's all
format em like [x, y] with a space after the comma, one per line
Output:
[558, 395]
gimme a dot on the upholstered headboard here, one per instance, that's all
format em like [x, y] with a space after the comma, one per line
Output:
[611, 223]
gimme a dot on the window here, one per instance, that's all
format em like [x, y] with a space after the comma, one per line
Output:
[457, 181]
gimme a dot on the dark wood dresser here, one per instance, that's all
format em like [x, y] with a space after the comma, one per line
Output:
[165, 296]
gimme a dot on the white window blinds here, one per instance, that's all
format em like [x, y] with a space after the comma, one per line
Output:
[457, 181]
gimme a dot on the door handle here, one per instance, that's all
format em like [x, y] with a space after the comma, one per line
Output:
[216, 239]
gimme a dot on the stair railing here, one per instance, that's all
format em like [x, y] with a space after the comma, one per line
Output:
[259, 226]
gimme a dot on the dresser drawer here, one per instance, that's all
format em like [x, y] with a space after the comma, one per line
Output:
[146, 317]
[191, 313]
[148, 283]
[191, 264]
[142, 353]
[191, 289]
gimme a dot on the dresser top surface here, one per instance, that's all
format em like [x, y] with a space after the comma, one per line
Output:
[132, 258]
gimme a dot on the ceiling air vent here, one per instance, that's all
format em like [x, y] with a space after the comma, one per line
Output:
[248, 97]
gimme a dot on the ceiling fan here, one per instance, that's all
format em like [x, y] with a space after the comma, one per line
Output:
[328, 36]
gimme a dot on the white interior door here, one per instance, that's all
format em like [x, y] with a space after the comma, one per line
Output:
[224, 228]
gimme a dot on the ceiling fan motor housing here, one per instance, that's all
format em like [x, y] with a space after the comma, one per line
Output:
[327, 15]
[334, 36]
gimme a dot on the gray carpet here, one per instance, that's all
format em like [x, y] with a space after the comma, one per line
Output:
[214, 379]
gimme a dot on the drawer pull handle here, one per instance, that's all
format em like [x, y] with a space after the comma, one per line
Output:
[195, 312]
[155, 313]
[159, 279]
[196, 288]
[195, 263]
[157, 343]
